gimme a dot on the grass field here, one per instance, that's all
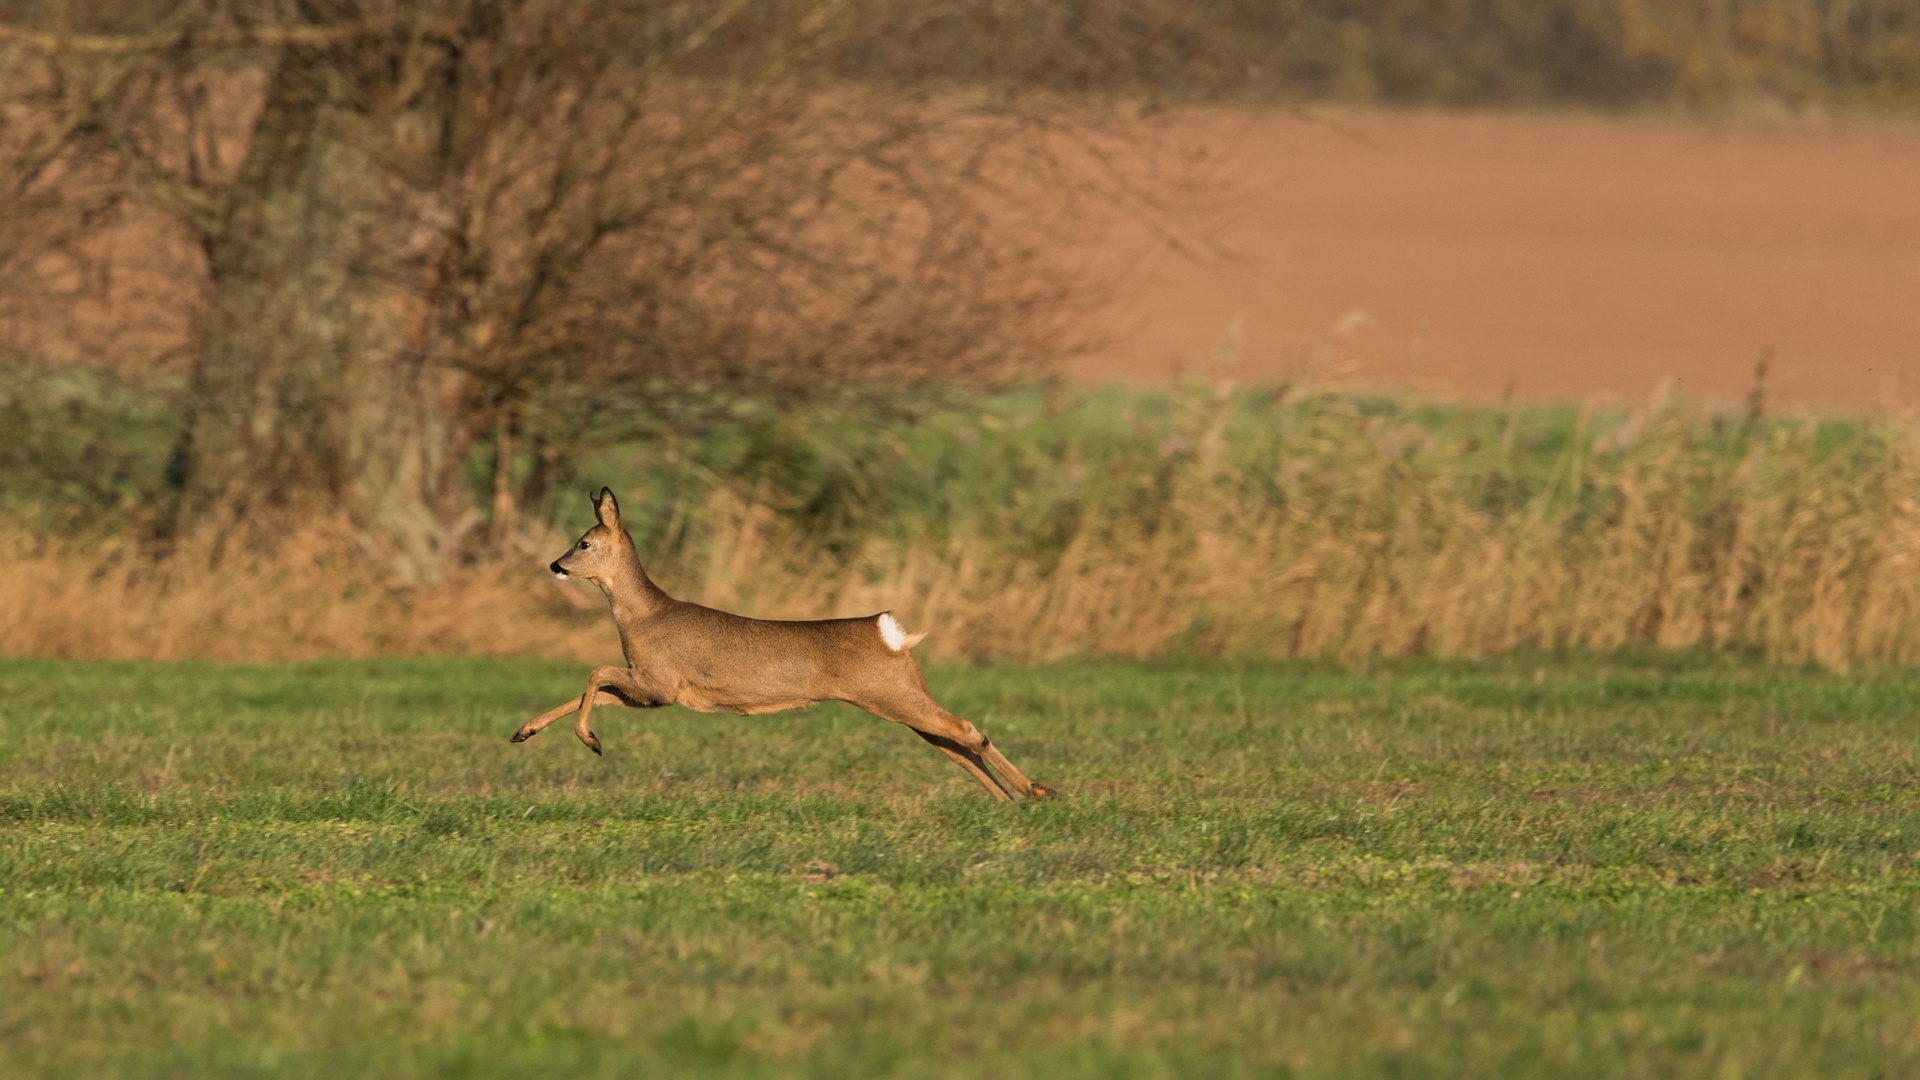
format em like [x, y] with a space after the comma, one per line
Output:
[1634, 864]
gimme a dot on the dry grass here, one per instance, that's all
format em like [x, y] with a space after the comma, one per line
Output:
[317, 593]
[1296, 525]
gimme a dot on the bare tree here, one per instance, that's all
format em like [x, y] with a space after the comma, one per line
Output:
[416, 225]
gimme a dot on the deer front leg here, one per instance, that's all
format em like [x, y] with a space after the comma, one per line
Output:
[628, 691]
[532, 727]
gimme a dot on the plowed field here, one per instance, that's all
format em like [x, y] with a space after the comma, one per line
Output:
[1558, 257]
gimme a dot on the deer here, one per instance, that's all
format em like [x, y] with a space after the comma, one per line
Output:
[681, 653]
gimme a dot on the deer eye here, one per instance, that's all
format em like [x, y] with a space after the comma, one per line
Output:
[583, 545]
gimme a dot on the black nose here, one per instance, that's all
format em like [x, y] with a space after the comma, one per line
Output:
[555, 567]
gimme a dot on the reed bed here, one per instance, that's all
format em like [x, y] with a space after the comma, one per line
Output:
[1270, 523]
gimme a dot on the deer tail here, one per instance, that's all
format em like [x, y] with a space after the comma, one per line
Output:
[897, 638]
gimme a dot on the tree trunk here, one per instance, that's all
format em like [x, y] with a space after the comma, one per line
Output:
[315, 388]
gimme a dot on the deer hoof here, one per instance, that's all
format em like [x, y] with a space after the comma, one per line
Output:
[593, 742]
[1041, 791]
[518, 736]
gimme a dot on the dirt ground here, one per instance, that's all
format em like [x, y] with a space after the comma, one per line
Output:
[1550, 257]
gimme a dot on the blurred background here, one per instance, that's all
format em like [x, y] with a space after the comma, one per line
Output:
[1117, 326]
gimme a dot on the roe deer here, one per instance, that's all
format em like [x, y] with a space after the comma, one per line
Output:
[684, 654]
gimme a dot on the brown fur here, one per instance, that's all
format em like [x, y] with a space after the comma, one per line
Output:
[684, 654]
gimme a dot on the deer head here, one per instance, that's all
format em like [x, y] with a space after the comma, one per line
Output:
[602, 550]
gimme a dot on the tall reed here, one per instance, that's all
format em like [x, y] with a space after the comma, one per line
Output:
[1329, 526]
[1270, 523]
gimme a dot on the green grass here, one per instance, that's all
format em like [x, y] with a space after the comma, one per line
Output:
[1636, 865]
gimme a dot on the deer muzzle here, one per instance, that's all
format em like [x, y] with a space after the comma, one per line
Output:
[558, 571]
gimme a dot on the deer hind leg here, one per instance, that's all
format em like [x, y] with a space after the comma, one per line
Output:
[969, 761]
[533, 727]
[1000, 763]
[937, 725]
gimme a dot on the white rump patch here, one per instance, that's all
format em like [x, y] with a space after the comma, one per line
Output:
[892, 634]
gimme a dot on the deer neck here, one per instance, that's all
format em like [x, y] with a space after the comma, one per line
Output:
[632, 594]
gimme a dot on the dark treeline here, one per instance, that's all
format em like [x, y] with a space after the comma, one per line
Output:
[1600, 53]
[1860, 54]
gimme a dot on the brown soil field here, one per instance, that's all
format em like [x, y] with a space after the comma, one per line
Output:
[1473, 255]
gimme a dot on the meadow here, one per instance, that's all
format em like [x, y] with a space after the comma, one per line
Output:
[1630, 863]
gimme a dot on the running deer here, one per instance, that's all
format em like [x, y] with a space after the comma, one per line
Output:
[684, 654]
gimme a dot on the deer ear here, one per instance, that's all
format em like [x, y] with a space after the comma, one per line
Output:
[607, 509]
